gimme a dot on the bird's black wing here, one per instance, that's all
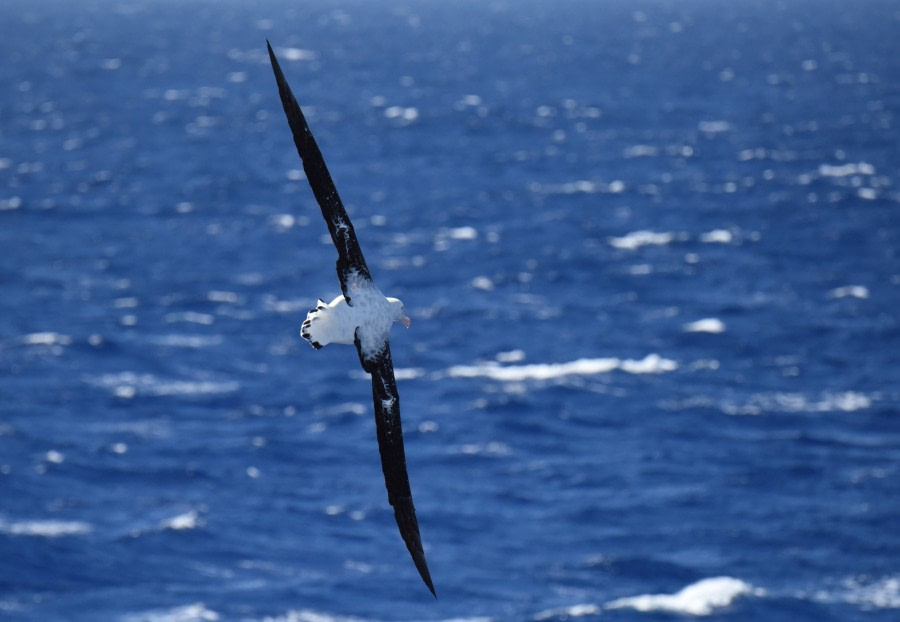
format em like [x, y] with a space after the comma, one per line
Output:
[351, 265]
[390, 446]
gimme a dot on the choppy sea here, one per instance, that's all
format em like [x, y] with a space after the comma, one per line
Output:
[650, 250]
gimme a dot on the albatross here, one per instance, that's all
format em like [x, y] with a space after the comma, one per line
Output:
[361, 316]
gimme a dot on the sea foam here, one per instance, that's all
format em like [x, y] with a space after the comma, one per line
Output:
[650, 364]
[698, 599]
[45, 528]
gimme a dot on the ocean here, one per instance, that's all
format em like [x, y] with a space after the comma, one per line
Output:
[649, 249]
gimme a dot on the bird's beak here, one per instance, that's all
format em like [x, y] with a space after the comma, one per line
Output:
[405, 321]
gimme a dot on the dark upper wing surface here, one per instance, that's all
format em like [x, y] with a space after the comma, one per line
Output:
[350, 257]
[393, 457]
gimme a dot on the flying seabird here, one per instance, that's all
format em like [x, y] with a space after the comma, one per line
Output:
[362, 316]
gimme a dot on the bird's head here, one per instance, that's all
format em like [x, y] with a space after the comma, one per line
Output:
[399, 315]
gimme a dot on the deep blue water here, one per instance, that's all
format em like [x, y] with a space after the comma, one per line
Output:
[650, 250]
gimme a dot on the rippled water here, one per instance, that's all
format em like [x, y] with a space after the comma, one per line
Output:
[649, 250]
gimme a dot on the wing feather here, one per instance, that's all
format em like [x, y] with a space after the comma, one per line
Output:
[393, 456]
[350, 261]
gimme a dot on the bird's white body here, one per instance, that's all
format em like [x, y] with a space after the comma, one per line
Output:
[369, 318]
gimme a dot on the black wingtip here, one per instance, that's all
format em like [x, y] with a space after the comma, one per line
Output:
[272, 58]
[405, 514]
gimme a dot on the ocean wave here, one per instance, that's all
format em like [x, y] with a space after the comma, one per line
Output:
[308, 615]
[564, 613]
[196, 612]
[697, 599]
[186, 341]
[127, 385]
[853, 291]
[46, 339]
[580, 186]
[706, 325]
[45, 528]
[882, 594]
[864, 592]
[847, 401]
[187, 520]
[636, 239]
[845, 170]
[717, 236]
[650, 364]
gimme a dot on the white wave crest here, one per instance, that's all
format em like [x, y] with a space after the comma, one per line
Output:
[45, 528]
[706, 325]
[848, 401]
[881, 594]
[188, 520]
[46, 339]
[307, 615]
[698, 599]
[295, 54]
[845, 170]
[186, 341]
[650, 364]
[717, 236]
[128, 384]
[575, 611]
[197, 612]
[854, 291]
[636, 239]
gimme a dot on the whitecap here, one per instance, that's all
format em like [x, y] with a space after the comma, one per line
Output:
[483, 283]
[54, 456]
[847, 401]
[639, 151]
[854, 291]
[406, 114]
[408, 373]
[463, 233]
[717, 236]
[223, 296]
[470, 100]
[574, 611]
[46, 339]
[714, 127]
[295, 54]
[706, 325]
[881, 594]
[188, 520]
[192, 317]
[698, 599]
[196, 612]
[187, 341]
[45, 528]
[492, 448]
[11, 203]
[581, 186]
[637, 239]
[512, 356]
[128, 384]
[308, 615]
[845, 170]
[650, 364]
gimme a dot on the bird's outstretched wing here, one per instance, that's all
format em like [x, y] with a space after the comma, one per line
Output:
[351, 265]
[390, 446]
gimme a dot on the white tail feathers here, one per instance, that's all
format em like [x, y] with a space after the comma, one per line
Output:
[330, 323]
[315, 316]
